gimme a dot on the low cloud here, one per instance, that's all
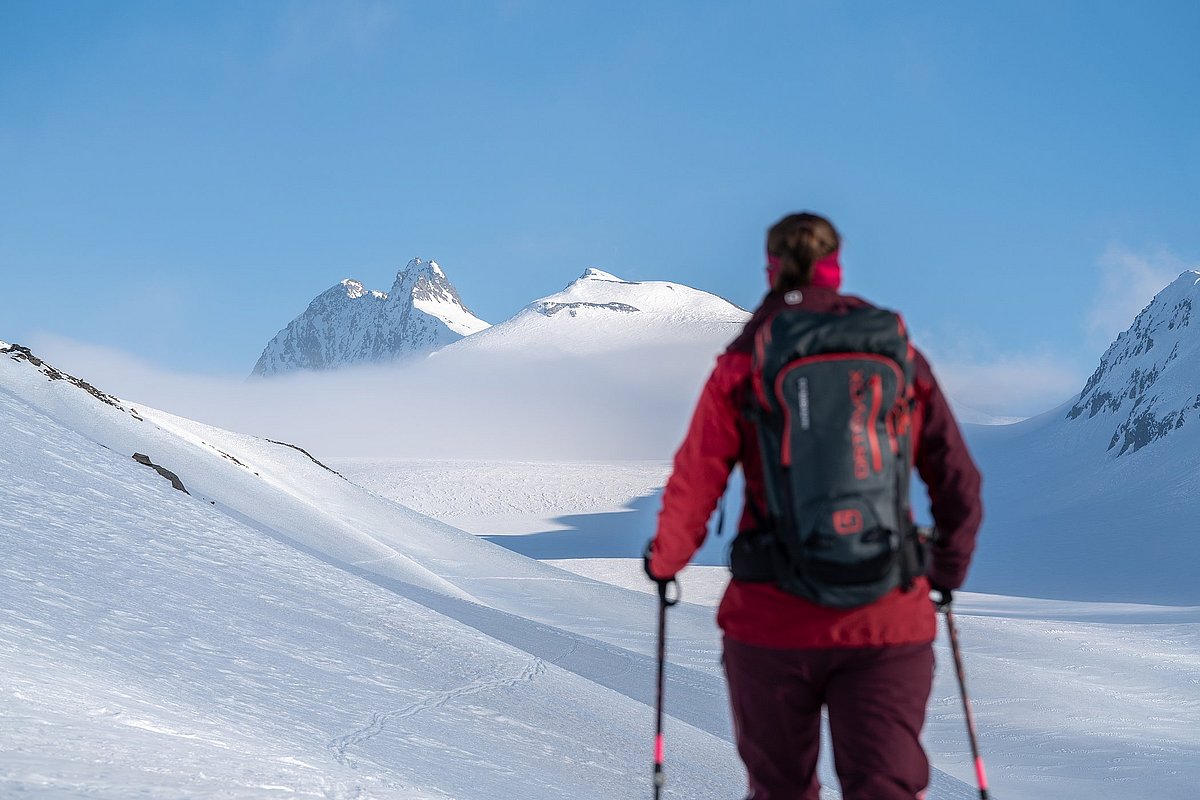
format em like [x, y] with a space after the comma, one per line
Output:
[1008, 387]
[985, 383]
[634, 404]
[988, 383]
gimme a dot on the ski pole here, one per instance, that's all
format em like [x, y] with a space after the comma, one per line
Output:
[980, 775]
[664, 601]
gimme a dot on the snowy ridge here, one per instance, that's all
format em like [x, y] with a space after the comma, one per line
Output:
[18, 353]
[599, 312]
[240, 474]
[349, 324]
[1146, 382]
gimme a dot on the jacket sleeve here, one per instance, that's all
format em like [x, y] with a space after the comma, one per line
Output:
[702, 466]
[953, 480]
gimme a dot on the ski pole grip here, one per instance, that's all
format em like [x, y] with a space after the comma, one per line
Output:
[664, 592]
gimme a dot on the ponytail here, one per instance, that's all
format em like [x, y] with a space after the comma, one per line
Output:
[796, 242]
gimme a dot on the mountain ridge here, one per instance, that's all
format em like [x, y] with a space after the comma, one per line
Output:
[1087, 500]
[349, 324]
[423, 313]
[1135, 382]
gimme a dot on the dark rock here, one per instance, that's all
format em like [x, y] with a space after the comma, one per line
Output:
[141, 458]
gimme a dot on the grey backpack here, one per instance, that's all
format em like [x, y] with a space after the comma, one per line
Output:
[832, 406]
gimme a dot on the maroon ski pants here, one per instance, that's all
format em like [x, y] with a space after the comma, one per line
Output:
[876, 698]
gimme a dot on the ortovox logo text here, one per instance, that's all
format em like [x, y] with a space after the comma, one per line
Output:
[848, 521]
[805, 422]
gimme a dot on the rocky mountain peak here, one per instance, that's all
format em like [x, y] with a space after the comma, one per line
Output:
[424, 281]
[353, 290]
[351, 324]
[1148, 381]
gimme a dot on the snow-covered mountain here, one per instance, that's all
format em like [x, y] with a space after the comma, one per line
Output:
[1147, 384]
[1099, 498]
[599, 312]
[350, 324]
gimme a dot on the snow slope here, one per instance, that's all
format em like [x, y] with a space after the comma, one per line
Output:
[1074, 700]
[274, 630]
[1098, 499]
[510, 497]
[189, 645]
[282, 632]
[349, 324]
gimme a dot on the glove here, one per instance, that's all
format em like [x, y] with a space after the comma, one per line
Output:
[944, 597]
[663, 583]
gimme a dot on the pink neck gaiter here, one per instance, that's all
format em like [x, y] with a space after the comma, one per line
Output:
[827, 271]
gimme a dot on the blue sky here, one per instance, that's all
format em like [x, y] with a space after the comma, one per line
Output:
[178, 180]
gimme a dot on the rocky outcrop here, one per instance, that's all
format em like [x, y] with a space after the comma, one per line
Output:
[1148, 381]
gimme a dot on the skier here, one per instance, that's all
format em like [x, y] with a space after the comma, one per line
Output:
[785, 656]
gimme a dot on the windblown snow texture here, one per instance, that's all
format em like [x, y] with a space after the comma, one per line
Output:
[349, 324]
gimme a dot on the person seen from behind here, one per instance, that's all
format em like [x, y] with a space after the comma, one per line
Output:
[829, 605]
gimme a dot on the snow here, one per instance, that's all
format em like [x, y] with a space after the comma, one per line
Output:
[349, 324]
[468, 629]
[591, 273]
[178, 645]
[355, 289]
[434, 296]
[512, 497]
[1097, 499]
[1073, 699]
[966, 414]
[601, 313]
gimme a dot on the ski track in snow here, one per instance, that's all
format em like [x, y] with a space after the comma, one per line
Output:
[379, 720]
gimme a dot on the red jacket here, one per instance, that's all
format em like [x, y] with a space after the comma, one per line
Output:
[720, 437]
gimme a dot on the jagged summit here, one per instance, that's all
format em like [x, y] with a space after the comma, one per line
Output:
[354, 289]
[430, 291]
[350, 324]
[1148, 381]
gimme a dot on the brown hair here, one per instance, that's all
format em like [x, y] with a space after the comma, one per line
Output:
[798, 240]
